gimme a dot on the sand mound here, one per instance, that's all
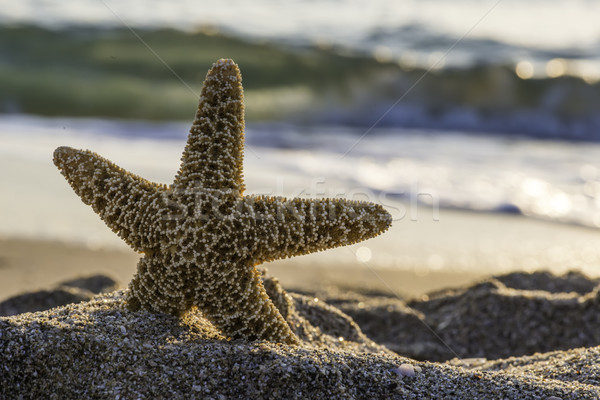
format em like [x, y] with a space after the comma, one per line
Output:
[510, 315]
[100, 349]
[71, 291]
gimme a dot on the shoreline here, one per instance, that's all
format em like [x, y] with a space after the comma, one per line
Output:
[28, 265]
[412, 258]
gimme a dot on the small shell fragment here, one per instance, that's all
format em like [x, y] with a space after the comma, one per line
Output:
[405, 370]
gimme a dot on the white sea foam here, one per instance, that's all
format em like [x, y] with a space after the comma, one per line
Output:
[551, 180]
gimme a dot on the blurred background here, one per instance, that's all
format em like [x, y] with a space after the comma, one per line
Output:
[475, 122]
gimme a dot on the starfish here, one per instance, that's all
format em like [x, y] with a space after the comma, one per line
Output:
[201, 237]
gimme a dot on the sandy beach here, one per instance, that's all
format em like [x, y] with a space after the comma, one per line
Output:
[403, 202]
[366, 332]
[349, 340]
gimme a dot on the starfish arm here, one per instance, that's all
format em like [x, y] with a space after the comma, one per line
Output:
[151, 291]
[127, 203]
[234, 299]
[239, 306]
[214, 152]
[294, 227]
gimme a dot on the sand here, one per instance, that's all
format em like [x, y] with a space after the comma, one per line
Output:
[514, 336]
[30, 265]
[99, 349]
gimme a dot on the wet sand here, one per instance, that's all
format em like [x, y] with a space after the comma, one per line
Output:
[30, 265]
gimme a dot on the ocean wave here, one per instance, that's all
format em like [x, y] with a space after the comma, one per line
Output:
[551, 180]
[107, 73]
[480, 99]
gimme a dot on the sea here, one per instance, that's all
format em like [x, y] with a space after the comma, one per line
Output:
[534, 152]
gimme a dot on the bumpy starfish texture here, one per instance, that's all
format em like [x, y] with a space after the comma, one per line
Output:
[201, 238]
